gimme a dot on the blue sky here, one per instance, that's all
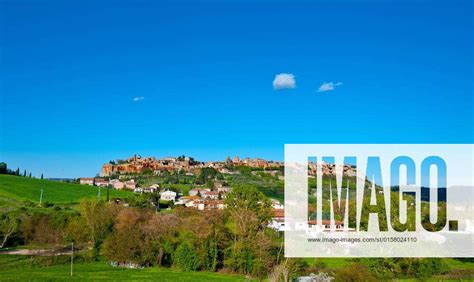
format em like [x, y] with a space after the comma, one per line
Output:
[70, 70]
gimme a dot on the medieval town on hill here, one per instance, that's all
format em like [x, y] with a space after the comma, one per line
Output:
[141, 174]
[126, 174]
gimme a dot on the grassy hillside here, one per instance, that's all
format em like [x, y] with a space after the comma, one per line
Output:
[15, 188]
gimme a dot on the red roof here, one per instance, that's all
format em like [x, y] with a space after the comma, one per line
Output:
[278, 213]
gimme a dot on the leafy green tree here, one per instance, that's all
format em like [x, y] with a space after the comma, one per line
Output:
[247, 197]
[185, 257]
[249, 212]
[98, 221]
[8, 225]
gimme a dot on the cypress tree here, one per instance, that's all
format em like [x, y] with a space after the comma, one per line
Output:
[3, 168]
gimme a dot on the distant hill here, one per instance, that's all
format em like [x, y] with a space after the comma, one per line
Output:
[25, 188]
[425, 193]
[61, 179]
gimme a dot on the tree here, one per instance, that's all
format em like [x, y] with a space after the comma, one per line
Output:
[17, 172]
[98, 219]
[247, 197]
[289, 269]
[160, 235]
[24, 173]
[249, 211]
[8, 225]
[3, 168]
[41, 176]
[49, 228]
[207, 234]
[123, 246]
[126, 244]
[185, 257]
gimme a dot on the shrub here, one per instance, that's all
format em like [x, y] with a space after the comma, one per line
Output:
[431, 266]
[47, 204]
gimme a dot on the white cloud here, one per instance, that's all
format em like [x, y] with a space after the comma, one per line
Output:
[328, 86]
[284, 81]
[138, 99]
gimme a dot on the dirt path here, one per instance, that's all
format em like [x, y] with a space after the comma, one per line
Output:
[28, 252]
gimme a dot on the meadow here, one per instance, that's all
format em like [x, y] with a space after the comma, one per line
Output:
[21, 267]
[18, 267]
[21, 189]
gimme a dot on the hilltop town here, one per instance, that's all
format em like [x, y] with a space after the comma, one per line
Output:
[145, 175]
[184, 181]
[137, 165]
[151, 165]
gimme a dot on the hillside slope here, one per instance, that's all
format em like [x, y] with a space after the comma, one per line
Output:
[23, 188]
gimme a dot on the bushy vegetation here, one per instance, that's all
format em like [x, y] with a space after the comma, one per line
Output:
[390, 268]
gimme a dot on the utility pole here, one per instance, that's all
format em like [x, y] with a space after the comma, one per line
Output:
[41, 196]
[72, 256]
[98, 195]
[108, 192]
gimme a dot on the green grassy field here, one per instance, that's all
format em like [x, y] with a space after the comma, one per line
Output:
[15, 267]
[14, 188]
[19, 267]
[330, 262]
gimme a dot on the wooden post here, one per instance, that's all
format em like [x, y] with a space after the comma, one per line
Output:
[41, 196]
[72, 256]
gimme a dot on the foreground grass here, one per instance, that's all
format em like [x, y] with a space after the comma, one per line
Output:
[333, 263]
[15, 267]
[21, 267]
[459, 269]
[15, 188]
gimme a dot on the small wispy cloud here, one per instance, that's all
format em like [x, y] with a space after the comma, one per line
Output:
[284, 81]
[138, 99]
[328, 86]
